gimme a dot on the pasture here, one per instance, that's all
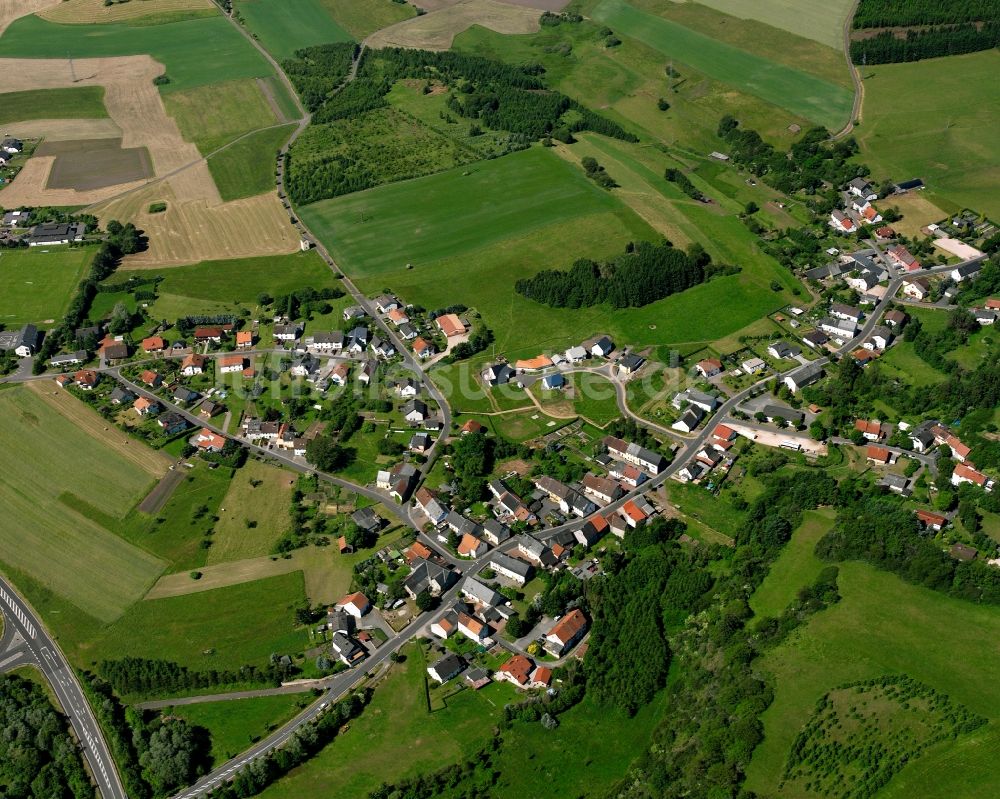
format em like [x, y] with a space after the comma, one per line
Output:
[246, 167]
[147, 12]
[361, 18]
[240, 624]
[397, 736]
[437, 29]
[258, 493]
[819, 20]
[796, 567]
[46, 456]
[240, 281]
[472, 232]
[214, 115]
[39, 282]
[795, 90]
[886, 625]
[284, 26]
[946, 136]
[77, 102]
[235, 723]
[195, 52]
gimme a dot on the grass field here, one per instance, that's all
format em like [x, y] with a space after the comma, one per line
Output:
[947, 137]
[214, 115]
[39, 283]
[234, 725]
[595, 399]
[246, 169]
[360, 18]
[284, 26]
[46, 454]
[224, 284]
[78, 102]
[397, 736]
[195, 52]
[266, 504]
[242, 624]
[887, 626]
[795, 90]
[902, 361]
[796, 567]
[820, 20]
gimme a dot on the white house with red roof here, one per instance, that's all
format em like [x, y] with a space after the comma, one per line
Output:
[356, 604]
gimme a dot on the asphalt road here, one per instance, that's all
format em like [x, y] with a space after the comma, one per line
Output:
[25, 642]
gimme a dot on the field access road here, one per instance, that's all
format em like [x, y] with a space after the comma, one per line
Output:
[25, 642]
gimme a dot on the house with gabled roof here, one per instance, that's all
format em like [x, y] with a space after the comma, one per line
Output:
[517, 670]
[566, 633]
[193, 364]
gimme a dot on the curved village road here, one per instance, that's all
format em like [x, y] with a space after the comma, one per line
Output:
[28, 643]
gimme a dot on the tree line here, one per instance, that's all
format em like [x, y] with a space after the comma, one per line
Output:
[900, 13]
[132, 675]
[644, 273]
[888, 48]
[38, 757]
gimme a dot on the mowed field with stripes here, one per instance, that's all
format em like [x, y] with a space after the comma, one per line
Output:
[47, 455]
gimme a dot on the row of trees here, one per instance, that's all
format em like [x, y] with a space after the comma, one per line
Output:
[645, 273]
[684, 183]
[132, 675]
[888, 48]
[899, 13]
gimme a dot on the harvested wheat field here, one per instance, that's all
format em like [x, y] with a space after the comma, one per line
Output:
[133, 104]
[197, 230]
[13, 9]
[84, 12]
[437, 29]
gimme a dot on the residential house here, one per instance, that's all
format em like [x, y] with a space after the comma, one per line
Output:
[172, 423]
[692, 470]
[460, 525]
[700, 399]
[966, 473]
[922, 438]
[494, 532]
[422, 348]
[244, 339]
[209, 334]
[689, 420]
[879, 455]
[841, 330]
[896, 483]
[917, 288]
[903, 258]
[803, 377]
[513, 569]
[153, 344]
[601, 488]
[68, 359]
[782, 349]
[445, 626]
[966, 271]
[541, 677]
[816, 339]
[382, 348]
[895, 318]
[184, 395]
[144, 406]
[498, 374]
[841, 221]
[709, 367]
[636, 511]
[353, 312]
[398, 481]
[367, 520]
[232, 363]
[535, 364]
[642, 457]
[566, 633]
[426, 575]
[472, 628]
[49, 233]
[601, 347]
[427, 501]
[193, 364]
[407, 388]
[577, 354]
[331, 341]
[985, 316]
[340, 374]
[451, 665]
[387, 302]
[357, 340]
[415, 411]
[346, 649]
[630, 364]
[113, 350]
[724, 433]
[517, 670]
[86, 379]
[847, 312]
[860, 187]
[287, 333]
[932, 521]
[553, 381]
[471, 426]
[419, 443]
[481, 594]
[450, 325]
[208, 409]
[592, 531]
[209, 441]
[870, 429]
[356, 604]
[753, 365]
[397, 316]
[880, 339]
[121, 396]
[535, 552]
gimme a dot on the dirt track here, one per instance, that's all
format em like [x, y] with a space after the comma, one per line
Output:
[437, 29]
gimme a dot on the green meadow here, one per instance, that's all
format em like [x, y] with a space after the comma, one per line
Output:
[246, 168]
[363, 17]
[45, 456]
[77, 102]
[467, 235]
[38, 282]
[195, 51]
[819, 20]
[883, 625]
[795, 90]
[946, 136]
[286, 26]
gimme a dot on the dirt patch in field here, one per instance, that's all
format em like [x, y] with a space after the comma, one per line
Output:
[197, 230]
[64, 129]
[13, 9]
[83, 12]
[437, 29]
[917, 210]
[133, 104]
[85, 164]
[161, 492]
[151, 461]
